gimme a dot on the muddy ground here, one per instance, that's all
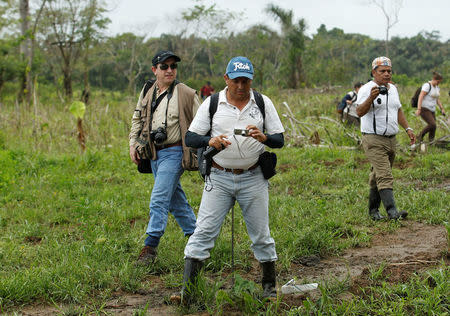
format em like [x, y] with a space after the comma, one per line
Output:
[414, 247]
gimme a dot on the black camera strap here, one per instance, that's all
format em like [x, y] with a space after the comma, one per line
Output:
[387, 112]
[157, 101]
[374, 120]
[387, 115]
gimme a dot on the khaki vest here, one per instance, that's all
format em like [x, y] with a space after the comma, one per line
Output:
[185, 102]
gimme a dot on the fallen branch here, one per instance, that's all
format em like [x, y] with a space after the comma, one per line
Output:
[304, 124]
[413, 262]
[331, 146]
[292, 116]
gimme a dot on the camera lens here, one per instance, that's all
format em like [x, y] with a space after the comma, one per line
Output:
[383, 90]
[159, 135]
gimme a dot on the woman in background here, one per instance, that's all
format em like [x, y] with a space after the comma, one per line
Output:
[426, 106]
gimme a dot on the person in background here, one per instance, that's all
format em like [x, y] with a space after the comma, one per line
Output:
[349, 113]
[206, 90]
[380, 110]
[426, 106]
[236, 174]
[169, 108]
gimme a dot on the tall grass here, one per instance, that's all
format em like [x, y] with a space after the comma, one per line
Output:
[72, 224]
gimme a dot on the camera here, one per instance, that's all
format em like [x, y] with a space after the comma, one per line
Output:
[210, 152]
[383, 90]
[242, 132]
[158, 135]
[205, 155]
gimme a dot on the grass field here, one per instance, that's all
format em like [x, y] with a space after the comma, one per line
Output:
[72, 224]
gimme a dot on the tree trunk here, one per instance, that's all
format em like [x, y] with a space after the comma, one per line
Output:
[87, 41]
[387, 41]
[67, 73]
[81, 135]
[86, 90]
[25, 50]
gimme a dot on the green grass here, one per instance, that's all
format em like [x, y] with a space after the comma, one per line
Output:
[72, 224]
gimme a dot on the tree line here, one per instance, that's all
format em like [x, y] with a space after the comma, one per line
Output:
[62, 43]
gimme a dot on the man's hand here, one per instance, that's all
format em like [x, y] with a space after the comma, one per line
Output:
[412, 137]
[134, 155]
[219, 142]
[364, 107]
[256, 133]
[418, 112]
[374, 92]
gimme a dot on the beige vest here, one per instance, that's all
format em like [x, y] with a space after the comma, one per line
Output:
[186, 101]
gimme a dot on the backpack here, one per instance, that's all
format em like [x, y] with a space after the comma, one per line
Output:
[415, 98]
[204, 163]
[343, 104]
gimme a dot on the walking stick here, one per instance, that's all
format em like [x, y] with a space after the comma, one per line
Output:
[232, 244]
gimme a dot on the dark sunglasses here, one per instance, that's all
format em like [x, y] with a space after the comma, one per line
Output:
[166, 66]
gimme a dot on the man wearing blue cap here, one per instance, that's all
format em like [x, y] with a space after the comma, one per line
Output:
[235, 174]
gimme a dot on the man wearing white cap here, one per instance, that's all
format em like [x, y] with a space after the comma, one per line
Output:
[236, 173]
[379, 107]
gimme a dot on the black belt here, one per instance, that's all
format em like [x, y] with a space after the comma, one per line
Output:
[159, 147]
[388, 136]
[234, 171]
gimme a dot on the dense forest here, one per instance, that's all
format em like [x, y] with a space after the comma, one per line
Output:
[62, 44]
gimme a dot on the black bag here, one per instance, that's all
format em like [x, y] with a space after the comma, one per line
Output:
[144, 166]
[268, 161]
[204, 165]
[143, 149]
[205, 155]
[415, 98]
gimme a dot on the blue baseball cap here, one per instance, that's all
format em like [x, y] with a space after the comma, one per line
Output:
[239, 67]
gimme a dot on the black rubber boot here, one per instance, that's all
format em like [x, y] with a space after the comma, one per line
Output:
[268, 279]
[374, 204]
[191, 269]
[387, 196]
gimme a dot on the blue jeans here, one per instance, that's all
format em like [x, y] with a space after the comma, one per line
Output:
[167, 195]
[250, 190]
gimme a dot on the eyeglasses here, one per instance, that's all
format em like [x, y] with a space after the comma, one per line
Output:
[166, 66]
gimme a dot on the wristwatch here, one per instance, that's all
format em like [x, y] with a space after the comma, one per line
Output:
[408, 129]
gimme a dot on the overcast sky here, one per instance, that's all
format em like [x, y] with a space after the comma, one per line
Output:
[151, 18]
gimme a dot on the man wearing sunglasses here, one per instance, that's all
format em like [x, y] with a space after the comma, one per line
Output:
[159, 123]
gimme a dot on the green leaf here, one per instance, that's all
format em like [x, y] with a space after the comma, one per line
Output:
[77, 109]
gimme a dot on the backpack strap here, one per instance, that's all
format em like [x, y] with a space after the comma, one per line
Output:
[214, 101]
[260, 103]
[262, 107]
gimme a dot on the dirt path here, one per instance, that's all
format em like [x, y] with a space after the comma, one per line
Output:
[411, 248]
